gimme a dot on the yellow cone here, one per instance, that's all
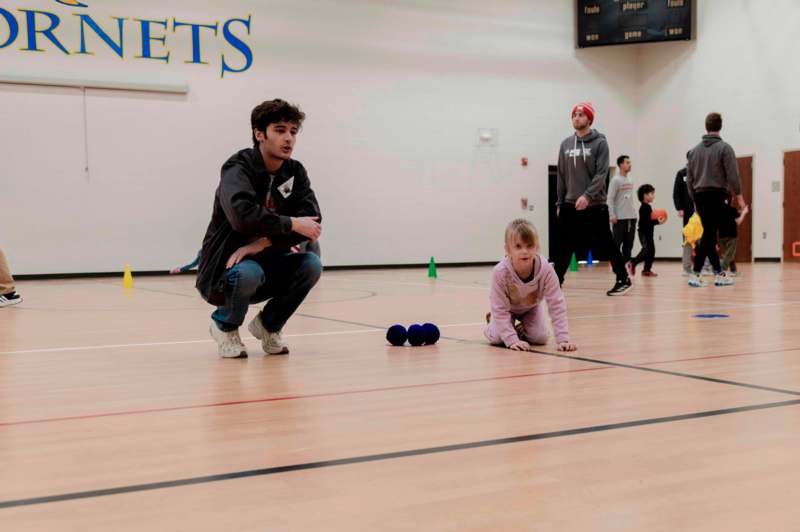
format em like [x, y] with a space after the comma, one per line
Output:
[127, 277]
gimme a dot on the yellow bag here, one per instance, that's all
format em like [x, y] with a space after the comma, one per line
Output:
[693, 230]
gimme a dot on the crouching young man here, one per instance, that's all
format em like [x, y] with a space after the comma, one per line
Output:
[263, 207]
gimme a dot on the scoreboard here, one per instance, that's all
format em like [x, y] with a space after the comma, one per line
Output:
[605, 22]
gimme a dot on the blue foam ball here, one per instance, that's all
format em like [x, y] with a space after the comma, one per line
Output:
[431, 333]
[416, 334]
[396, 335]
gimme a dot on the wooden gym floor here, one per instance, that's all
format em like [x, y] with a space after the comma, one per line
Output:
[117, 414]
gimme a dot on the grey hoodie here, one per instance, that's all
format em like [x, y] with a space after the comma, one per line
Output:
[712, 166]
[582, 168]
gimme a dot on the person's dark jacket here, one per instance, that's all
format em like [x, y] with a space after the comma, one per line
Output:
[712, 167]
[680, 196]
[646, 223]
[240, 215]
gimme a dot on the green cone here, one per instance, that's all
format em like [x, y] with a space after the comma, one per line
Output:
[573, 264]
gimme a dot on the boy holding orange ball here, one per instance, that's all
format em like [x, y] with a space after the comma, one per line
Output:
[647, 224]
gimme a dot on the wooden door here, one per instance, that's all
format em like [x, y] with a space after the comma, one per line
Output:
[791, 201]
[744, 242]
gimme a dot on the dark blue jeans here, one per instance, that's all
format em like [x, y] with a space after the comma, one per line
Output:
[283, 278]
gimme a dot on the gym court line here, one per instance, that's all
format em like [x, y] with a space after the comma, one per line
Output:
[604, 365]
[269, 471]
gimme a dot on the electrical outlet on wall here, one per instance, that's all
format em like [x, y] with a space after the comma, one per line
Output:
[764, 235]
[487, 137]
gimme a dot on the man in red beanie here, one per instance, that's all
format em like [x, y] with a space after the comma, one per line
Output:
[581, 197]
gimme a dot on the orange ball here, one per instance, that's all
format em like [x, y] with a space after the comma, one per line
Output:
[658, 213]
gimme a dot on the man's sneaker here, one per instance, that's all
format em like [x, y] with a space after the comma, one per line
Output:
[620, 287]
[229, 344]
[11, 298]
[722, 279]
[687, 273]
[649, 274]
[630, 267]
[695, 281]
[271, 342]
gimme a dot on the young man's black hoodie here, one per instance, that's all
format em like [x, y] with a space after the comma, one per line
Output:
[240, 215]
[680, 196]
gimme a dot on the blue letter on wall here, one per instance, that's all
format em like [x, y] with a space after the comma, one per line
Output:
[238, 44]
[147, 52]
[30, 17]
[86, 20]
[196, 56]
[13, 27]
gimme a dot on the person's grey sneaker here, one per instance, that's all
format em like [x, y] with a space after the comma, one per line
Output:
[229, 344]
[271, 342]
[722, 279]
[11, 298]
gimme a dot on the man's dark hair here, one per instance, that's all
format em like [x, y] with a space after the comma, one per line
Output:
[644, 189]
[621, 159]
[713, 122]
[273, 111]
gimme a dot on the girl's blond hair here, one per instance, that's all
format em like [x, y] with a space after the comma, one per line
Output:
[523, 230]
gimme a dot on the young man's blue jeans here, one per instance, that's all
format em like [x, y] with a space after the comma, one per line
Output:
[283, 278]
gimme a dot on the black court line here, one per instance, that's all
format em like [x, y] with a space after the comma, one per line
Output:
[370, 294]
[346, 322]
[593, 361]
[572, 357]
[668, 372]
[384, 456]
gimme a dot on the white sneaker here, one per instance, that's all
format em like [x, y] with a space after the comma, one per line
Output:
[11, 298]
[696, 282]
[722, 279]
[271, 342]
[229, 344]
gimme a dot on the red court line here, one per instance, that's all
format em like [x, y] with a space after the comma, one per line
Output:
[293, 397]
[711, 357]
[368, 390]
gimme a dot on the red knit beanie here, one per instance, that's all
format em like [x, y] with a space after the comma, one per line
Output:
[587, 109]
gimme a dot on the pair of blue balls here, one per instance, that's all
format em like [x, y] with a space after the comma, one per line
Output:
[416, 334]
